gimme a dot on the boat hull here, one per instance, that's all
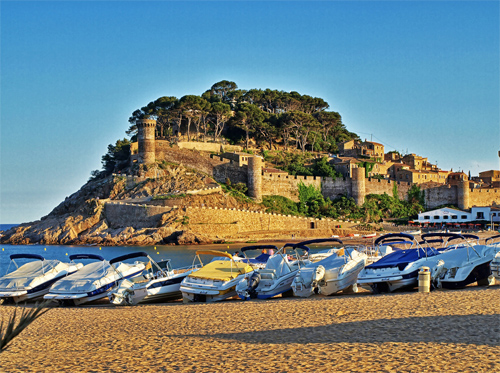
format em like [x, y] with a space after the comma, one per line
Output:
[333, 286]
[478, 273]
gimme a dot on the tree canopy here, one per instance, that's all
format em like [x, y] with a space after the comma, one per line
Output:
[265, 117]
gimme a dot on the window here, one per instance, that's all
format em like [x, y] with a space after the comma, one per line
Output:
[494, 214]
[464, 217]
[436, 217]
[480, 215]
[454, 217]
[445, 217]
[427, 217]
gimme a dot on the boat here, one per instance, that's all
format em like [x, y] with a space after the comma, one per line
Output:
[32, 280]
[369, 235]
[216, 280]
[495, 263]
[160, 283]
[399, 268]
[277, 276]
[465, 261]
[95, 279]
[336, 272]
[260, 260]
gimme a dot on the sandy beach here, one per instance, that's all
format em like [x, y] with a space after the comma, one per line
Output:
[444, 331]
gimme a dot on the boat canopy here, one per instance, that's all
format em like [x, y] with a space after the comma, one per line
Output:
[440, 234]
[128, 256]
[464, 236]
[258, 247]
[401, 258]
[214, 253]
[29, 274]
[26, 256]
[304, 244]
[86, 256]
[491, 238]
[279, 264]
[393, 235]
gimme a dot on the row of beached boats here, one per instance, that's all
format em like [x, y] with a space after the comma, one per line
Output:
[393, 263]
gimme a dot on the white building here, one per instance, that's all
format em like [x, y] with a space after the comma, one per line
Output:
[450, 215]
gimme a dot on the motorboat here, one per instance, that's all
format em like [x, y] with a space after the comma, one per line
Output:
[336, 272]
[495, 263]
[33, 279]
[95, 279]
[216, 280]
[159, 283]
[260, 260]
[465, 260]
[399, 268]
[277, 276]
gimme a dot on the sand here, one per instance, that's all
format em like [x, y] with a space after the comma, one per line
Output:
[444, 331]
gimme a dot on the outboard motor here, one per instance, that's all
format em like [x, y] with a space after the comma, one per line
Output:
[253, 282]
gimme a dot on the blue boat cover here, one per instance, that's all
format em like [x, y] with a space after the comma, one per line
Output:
[492, 238]
[401, 258]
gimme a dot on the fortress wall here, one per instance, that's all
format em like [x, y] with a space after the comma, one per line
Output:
[230, 171]
[208, 146]
[286, 185]
[232, 221]
[121, 215]
[375, 186]
[443, 195]
[484, 197]
[336, 188]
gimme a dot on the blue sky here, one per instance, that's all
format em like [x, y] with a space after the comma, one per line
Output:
[421, 77]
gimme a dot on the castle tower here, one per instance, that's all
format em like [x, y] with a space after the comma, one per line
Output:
[146, 140]
[463, 200]
[358, 185]
[255, 178]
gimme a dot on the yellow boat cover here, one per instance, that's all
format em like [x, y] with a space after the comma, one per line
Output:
[214, 253]
[223, 270]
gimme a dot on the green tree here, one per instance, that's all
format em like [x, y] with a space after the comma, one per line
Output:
[220, 113]
[117, 156]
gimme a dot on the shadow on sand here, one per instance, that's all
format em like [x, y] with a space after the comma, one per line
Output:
[469, 329]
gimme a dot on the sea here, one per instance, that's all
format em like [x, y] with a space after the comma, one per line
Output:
[180, 256]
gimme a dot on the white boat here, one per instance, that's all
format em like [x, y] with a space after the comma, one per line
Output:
[216, 280]
[276, 278]
[336, 272]
[160, 283]
[398, 269]
[465, 260]
[32, 280]
[94, 280]
[495, 263]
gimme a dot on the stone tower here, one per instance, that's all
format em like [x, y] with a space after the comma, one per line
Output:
[255, 178]
[146, 140]
[463, 201]
[358, 185]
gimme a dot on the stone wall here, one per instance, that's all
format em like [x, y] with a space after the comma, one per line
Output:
[484, 197]
[208, 146]
[443, 195]
[121, 215]
[375, 186]
[233, 222]
[286, 185]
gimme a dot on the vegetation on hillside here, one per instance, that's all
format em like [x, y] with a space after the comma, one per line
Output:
[375, 208]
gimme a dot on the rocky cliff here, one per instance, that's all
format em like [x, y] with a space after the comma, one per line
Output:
[82, 218]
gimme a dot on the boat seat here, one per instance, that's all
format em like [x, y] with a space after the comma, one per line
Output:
[267, 274]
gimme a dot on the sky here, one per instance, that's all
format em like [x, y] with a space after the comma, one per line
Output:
[419, 77]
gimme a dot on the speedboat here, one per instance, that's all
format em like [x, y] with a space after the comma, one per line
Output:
[276, 278]
[215, 280]
[160, 283]
[32, 280]
[465, 261]
[260, 260]
[95, 279]
[398, 269]
[495, 263]
[337, 272]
